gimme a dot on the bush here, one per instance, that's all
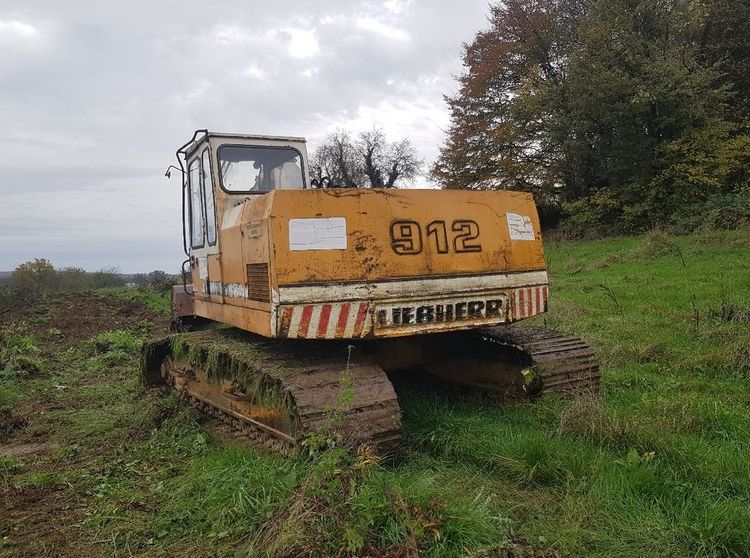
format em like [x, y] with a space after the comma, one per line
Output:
[723, 212]
[32, 277]
[7, 298]
[592, 216]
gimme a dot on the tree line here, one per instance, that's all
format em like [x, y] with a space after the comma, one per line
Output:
[619, 115]
[39, 275]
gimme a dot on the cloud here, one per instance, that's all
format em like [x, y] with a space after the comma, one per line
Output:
[17, 29]
[302, 43]
[96, 98]
[254, 71]
[383, 29]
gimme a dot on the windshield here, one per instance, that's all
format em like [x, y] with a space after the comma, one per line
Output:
[259, 169]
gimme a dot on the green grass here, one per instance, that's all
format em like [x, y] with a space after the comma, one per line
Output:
[658, 466]
[158, 301]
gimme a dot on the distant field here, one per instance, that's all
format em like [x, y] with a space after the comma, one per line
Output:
[91, 464]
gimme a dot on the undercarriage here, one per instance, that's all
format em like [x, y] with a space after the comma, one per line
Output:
[280, 392]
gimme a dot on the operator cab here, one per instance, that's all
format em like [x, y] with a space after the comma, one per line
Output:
[250, 164]
[222, 170]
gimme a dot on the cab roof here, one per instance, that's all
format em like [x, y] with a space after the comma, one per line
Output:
[197, 139]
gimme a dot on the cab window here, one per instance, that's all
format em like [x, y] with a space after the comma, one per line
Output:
[196, 204]
[251, 170]
[208, 189]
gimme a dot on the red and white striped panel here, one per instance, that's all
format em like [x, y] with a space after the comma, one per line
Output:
[338, 320]
[529, 302]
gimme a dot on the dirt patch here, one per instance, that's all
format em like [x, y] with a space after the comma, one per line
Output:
[66, 318]
[26, 529]
[24, 449]
[10, 423]
[48, 519]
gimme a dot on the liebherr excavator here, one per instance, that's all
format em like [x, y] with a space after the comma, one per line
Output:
[332, 289]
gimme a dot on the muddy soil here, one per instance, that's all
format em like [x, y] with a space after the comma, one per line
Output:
[78, 316]
[40, 518]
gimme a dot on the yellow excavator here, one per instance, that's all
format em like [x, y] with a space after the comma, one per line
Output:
[330, 292]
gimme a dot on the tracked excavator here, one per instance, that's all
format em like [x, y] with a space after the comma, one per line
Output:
[326, 294]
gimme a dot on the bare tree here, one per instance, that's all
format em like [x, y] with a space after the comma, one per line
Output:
[401, 162]
[337, 159]
[369, 161]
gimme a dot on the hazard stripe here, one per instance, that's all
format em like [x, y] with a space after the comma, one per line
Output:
[286, 319]
[528, 302]
[351, 320]
[312, 330]
[294, 323]
[325, 314]
[360, 321]
[333, 321]
[304, 323]
[343, 315]
[531, 302]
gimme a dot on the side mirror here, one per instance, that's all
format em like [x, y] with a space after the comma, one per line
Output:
[168, 174]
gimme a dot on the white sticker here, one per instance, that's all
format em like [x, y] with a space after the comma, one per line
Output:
[520, 227]
[203, 268]
[317, 234]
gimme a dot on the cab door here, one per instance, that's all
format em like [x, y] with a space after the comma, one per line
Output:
[204, 241]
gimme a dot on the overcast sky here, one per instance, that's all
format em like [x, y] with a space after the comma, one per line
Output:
[95, 97]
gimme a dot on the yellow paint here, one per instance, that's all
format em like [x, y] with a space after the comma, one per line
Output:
[260, 233]
[369, 214]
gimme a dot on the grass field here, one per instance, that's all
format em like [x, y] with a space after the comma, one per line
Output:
[91, 464]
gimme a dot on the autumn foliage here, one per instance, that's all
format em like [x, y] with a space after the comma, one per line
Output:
[617, 114]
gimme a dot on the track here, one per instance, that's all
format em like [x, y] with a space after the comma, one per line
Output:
[279, 392]
[276, 392]
[564, 364]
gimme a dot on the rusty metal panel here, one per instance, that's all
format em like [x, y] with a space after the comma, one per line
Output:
[182, 302]
[414, 261]
[344, 235]
[250, 319]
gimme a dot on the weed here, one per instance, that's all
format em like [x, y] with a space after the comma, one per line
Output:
[34, 480]
[658, 244]
[9, 393]
[730, 312]
[18, 351]
[117, 340]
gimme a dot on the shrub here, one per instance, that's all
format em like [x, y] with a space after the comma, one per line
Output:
[35, 276]
[592, 216]
[723, 212]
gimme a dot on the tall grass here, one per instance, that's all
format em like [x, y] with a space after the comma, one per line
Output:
[657, 466]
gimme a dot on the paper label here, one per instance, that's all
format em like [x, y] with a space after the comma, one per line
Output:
[520, 227]
[203, 268]
[317, 234]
